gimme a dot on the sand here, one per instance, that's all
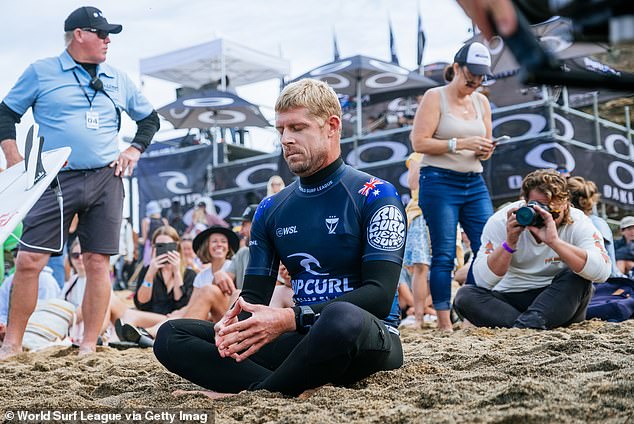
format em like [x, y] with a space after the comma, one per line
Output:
[584, 373]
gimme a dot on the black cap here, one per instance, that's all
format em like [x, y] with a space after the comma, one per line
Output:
[476, 57]
[247, 215]
[90, 17]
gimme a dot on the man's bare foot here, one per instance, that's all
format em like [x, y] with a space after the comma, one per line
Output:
[209, 393]
[308, 393]
[7, 351]
[86, 350]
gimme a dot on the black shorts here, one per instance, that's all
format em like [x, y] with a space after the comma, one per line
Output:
[96, 195]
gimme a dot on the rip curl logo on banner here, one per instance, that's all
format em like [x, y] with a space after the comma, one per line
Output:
[387, 229]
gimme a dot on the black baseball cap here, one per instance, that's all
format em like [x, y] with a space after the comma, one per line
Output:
[247, 215]
[476, 57]
[90, 17]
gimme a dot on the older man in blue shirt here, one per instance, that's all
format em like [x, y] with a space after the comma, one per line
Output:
[77, 101]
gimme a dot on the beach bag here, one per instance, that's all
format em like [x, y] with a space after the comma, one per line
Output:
[613, 300]
[49, 323]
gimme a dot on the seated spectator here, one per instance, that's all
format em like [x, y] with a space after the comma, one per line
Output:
[536, 265]
[166, 284]
[584, 195]
[47, 289]
[624, 258]
[627, 230]
[214, 246]
[189, 256]
[73, 292]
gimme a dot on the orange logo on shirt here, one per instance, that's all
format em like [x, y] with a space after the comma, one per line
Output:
[488, 248]
[597, 243]
[553, 260]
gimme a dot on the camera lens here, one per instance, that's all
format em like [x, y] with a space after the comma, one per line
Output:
[525, 216]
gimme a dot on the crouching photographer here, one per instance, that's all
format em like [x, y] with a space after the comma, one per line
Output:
[536, 263]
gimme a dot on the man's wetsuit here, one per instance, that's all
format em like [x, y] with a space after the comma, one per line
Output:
[341, 234]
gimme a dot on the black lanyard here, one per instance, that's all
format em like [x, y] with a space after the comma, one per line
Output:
[93, 99]
[84, 90]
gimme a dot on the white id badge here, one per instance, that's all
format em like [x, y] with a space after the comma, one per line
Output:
[92, 120]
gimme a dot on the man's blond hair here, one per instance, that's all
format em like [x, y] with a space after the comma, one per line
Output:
[316, 96]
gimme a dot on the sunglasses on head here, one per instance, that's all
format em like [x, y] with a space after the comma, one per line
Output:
[75, 255]
[100, 32]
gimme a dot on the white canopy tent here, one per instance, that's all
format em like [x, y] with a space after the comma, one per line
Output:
[208, 62]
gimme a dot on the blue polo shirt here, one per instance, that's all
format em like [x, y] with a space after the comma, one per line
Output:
[60, 105]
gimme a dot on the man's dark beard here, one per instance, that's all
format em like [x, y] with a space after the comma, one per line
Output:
[298, 168]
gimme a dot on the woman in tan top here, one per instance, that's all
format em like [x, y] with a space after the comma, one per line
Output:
[452, 129]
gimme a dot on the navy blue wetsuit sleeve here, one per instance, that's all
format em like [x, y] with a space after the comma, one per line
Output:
[258, 289]
[261, 272]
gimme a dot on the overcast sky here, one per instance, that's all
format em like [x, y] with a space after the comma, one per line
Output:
[301, 30]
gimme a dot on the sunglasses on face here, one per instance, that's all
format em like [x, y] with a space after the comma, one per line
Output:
[476, 80]
[75, 255]
[100, 32]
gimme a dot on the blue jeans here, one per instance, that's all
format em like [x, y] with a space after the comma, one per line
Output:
[446, 198]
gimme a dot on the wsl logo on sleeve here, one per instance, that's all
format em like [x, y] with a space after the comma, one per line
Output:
[387, 229]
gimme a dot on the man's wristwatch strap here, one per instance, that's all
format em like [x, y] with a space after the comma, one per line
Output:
[304, 318]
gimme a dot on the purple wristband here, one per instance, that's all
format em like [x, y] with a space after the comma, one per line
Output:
[508, 248]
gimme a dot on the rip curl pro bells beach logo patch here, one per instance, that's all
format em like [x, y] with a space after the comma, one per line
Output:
[387, 229]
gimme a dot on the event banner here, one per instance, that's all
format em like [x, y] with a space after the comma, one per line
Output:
[179, 176]
[613, 176]
[597, 151]
[244, 174]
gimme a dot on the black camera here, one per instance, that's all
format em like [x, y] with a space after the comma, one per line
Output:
[162, 248]
[528, 216]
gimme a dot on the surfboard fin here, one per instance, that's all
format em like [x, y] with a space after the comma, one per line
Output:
[33, 157]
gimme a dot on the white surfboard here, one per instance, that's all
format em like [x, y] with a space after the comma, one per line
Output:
[20, 187]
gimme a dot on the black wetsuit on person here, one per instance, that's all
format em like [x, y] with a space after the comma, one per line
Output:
[341, 235]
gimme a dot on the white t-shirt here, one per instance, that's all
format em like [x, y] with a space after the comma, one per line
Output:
[47, 289]
[74, 291]
[206, 276]
[534, 264]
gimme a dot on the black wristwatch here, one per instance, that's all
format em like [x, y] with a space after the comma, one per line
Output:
[304, 318]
